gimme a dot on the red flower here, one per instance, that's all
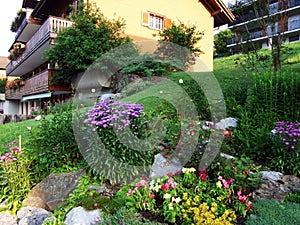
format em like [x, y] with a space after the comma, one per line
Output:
[165, 186]
[202, 175]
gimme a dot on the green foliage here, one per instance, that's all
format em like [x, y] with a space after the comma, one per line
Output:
[195, 92]
[52, 143]
[221, 42]
[90, 36]
[185, 198]
[2, 85]
[245, 173]
[272, 98]
[147, 65]
[186, 36]
[269, 212]
[124, 216]
[293, 197]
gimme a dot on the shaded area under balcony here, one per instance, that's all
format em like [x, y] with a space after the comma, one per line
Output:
[37, 84]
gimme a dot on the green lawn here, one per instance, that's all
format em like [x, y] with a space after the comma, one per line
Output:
[11, 131]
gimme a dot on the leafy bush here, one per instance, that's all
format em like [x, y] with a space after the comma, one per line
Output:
[122, 129]
[195, 92]
[269, 212]
[52, 143]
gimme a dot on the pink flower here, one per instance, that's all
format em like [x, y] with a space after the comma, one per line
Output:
[142, 183]
[152, 196]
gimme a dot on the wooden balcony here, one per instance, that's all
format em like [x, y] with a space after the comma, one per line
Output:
[39, 83]
[36, 45]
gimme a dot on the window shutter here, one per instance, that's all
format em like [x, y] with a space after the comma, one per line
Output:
[168, 23]
[145, 18]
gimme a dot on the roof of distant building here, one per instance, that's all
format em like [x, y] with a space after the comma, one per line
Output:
[3, 62]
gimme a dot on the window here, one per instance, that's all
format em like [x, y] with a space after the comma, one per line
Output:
[155, 21]
[294, 38]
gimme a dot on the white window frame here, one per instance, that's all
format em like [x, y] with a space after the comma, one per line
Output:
[156, 22]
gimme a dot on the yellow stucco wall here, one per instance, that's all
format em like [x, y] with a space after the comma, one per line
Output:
[187, 11]
[2, 74]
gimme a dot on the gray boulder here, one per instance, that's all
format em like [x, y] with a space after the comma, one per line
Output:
[80, 216]
[32, 215]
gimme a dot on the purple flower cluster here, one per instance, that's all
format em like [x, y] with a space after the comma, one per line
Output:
[112, 113]
[11, 155]
[288, 132]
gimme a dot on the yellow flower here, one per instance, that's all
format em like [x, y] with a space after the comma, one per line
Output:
[185, 196]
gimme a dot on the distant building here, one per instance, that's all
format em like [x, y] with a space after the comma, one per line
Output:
[3, 63]
[246, 25]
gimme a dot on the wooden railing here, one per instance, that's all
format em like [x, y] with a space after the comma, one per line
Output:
[36, 84]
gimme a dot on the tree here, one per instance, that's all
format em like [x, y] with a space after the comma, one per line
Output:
[221, 41]
[78, 46]
[272, 24]
[2, 85]
[186, 36]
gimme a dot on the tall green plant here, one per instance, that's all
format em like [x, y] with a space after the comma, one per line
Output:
[52, 143]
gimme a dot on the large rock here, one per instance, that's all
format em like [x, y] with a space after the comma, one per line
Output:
[226, 123]
[276, 186]
[7, 219]
[80, 216]
[162, 165]
[32, 215]
[51, 192]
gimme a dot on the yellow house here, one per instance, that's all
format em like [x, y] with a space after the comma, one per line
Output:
[144, 18]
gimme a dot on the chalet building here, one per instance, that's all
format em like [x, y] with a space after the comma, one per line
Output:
[37, 24]
[286, 17]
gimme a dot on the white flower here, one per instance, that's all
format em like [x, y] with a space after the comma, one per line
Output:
[161, 92]
[39, 117]
[29, 128]
[176, 200]
[219, 184]
[167, 196]
[180, 81]
[188, 170]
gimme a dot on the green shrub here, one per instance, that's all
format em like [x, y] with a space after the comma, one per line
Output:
[273, 98]
[53, 144]
[195, 92]
[270, 212]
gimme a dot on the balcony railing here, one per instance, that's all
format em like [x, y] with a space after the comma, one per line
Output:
[273, 9]
[36, 84]
[49, 29]
[292, 25]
